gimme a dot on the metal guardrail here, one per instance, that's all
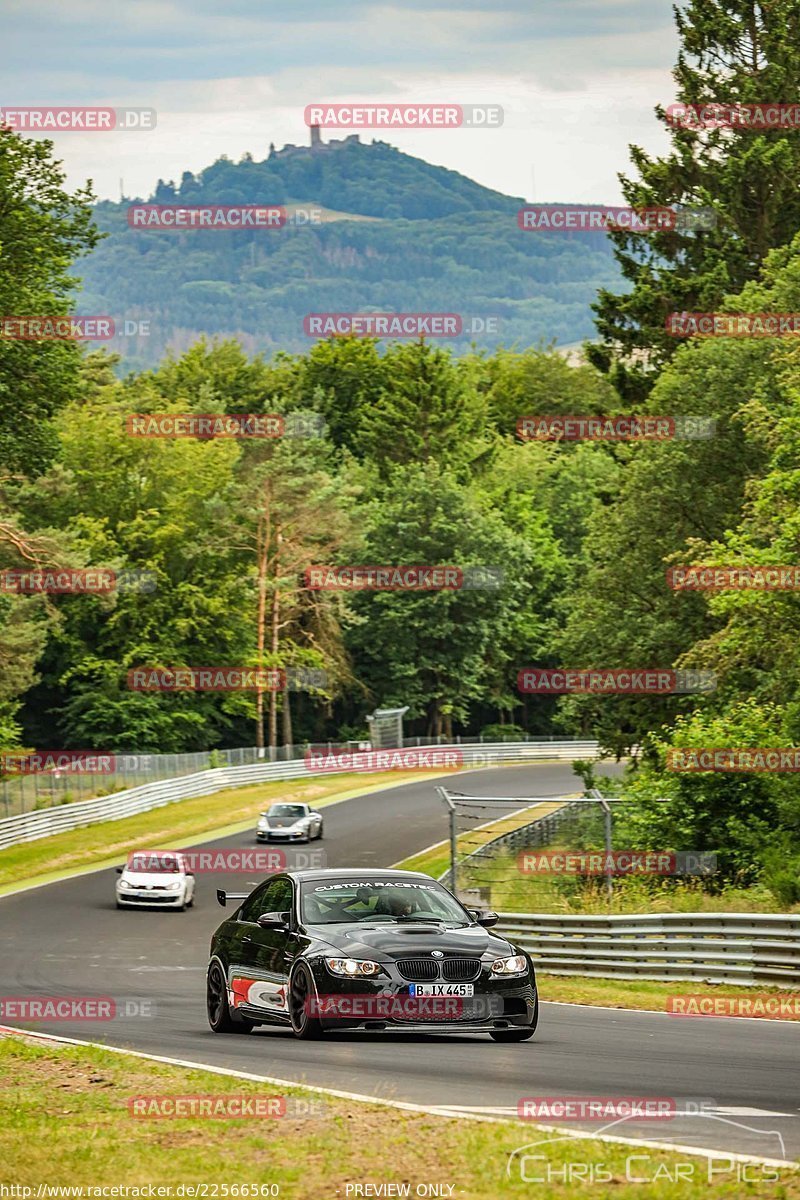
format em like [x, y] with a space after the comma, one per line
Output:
[28, 827]
[738, 948]
[128, 769]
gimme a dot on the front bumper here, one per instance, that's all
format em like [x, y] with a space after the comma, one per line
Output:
[384, 1002]
[151, 899]
[279, 835]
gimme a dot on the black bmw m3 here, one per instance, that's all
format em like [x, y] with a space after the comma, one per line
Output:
[320, 951]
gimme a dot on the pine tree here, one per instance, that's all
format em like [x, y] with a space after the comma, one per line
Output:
[427, 409]
[733, 52]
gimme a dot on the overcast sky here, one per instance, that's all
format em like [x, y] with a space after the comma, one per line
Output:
[578, 80]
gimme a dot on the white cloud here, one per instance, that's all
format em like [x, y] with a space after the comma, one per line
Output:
[578, 80]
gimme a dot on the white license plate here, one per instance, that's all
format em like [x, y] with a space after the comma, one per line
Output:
[441, 989]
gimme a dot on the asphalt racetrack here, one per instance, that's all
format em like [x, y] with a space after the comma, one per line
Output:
[68, 939]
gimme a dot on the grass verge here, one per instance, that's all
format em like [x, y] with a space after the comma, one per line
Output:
[174, 825]
[513, 890]
[64, 1120]
[507, 889]
[647, 993]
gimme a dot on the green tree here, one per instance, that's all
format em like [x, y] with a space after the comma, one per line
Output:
[428, 408]
[292, 511]
[343, 378]
[436, 651]
[744, 818]
[732, 52]
[622, 613]
[44, 230]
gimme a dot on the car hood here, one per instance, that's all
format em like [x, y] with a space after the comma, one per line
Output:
[284, 822]
[395, 940]
[151, 878]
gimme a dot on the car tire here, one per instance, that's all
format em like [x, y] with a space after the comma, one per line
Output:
[319, 831]
[219, 1014]
[518, 1035]
[301, 987]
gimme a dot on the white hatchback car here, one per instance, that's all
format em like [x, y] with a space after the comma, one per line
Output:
[155, 879]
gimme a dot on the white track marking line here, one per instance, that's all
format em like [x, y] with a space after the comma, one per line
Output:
[659, 1012]
[406, 1106]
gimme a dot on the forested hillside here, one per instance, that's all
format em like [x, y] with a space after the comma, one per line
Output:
[397, 235]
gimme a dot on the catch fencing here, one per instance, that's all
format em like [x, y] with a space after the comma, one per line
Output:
[536, 832]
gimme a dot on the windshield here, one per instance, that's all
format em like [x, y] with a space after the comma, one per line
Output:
[378, 900]
[287, 810]
[148, 863]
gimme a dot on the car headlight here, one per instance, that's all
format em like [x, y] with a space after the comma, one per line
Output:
[352, 966]
[174, 887]
[263, 823]
[124, 885]
[516, 965]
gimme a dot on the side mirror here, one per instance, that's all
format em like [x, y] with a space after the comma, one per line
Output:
[486, 919]
[120, 870]
[190, 873]
[273, 920]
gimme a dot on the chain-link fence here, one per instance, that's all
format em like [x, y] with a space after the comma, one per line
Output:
[561, 854]
[490, 837]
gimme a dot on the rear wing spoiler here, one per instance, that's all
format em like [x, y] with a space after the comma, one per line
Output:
[223, 897]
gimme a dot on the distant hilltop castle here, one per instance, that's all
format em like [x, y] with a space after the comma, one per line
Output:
[317, 144]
